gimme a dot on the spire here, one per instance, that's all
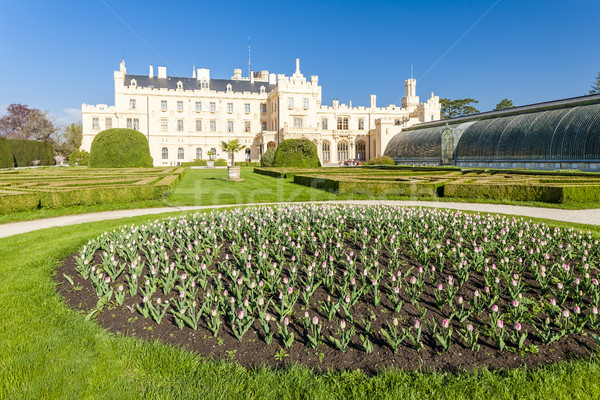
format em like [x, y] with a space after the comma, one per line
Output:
[194, 71]
[297, 67]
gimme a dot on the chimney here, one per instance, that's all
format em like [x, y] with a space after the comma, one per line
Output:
[297, 66]
[162, 71]
[237, 74]
[264, 75]
[373, 101]
[151, 73]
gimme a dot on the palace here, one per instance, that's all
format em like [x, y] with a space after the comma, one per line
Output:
[187, 118]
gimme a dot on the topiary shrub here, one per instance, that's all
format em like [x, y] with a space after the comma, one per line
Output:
[7, 159]
[297, 153]
[268, 158]
[221, 162]
[79, 157]
[31, 152]
[383, 160]
[195, 163]
[120, 148]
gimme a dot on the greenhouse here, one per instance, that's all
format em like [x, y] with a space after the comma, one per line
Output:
[563, 134]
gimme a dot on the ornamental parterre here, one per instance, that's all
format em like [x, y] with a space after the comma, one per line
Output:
[347, 287]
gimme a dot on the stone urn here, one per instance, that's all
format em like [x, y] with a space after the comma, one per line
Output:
[210, 163]
[233, 174]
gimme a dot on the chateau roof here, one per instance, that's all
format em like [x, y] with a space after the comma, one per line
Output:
[219, 85]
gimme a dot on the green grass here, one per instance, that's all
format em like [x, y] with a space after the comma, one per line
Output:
[48, 351]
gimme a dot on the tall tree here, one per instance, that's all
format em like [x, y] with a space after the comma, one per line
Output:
[504, 104]
[458, 107]
[69, 139]
[596, 85]
[22, 122]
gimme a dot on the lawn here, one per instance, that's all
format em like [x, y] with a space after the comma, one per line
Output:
[50, 351]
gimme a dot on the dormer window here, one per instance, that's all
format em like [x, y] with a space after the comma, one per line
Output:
[229, 87]
[204, 85]
[179, 85]
[133, 83]
[262, 90]
[132, 104]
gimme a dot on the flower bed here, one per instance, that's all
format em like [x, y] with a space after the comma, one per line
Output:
[347, 287]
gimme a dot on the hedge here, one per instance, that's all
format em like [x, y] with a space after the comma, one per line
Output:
[247, 164]
[297, 153]
[79, 157]
[195, 163]
[7, 159]
[514, 192]
[120, 148]
[221, 162]
[382, 188]
[383, 160]
[25, 152]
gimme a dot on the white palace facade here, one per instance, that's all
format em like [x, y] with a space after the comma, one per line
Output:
[185, 119]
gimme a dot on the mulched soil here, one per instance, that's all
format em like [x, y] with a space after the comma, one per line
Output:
[253, 352]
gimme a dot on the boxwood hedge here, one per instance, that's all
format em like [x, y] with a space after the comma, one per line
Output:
[7, 159]
[297, 153]
[120, 148]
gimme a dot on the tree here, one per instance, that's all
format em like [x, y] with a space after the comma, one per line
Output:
[458, 107]
[504, 104]
[596, 86]
[232, 146]
[69, 139]
[22, 122]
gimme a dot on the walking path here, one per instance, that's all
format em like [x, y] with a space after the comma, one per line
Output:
[591, 216]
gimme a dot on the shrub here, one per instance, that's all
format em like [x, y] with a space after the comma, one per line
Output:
[383, 160]
[25, 152]
[247, 164]
[268, 159]
[120, 148]
[221, 162]
[6, 156]
[79, 157]
[297, 153]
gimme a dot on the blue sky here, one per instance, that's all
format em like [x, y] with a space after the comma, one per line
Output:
[56, 55]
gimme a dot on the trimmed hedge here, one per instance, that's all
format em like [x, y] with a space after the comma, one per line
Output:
[383, 160]
[221, 162]
[383, 188]
[268, 159]
[195, 163]
[120, 148]
[7, 159]
[25, 152]
[247, 164]
[300, 153]
[514, 192]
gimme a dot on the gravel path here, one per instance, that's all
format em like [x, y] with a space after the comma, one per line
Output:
[591, 216]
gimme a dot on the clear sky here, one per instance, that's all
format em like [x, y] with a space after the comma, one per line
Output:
[55, 55]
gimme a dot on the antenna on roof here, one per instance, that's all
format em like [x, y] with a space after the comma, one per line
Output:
[249, 70]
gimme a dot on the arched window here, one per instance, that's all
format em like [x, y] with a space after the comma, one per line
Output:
[179, 85]
[213, 154]
[165, 153]
[198, 153]
[361, 151]
[325, 148]
[262, 90]
[133, 83]
[342, 150]
[342, 123]
[248, 154]
[180, 153]
[229, 87]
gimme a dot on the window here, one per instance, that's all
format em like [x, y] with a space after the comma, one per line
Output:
[305, 102]
[180, 125]
[136, 124]
[229, 126]
[198, 125]
[96, 124]
[213, 106]
[204, 85]
[213, 153]
[107, 123]
[229, 87]
[248, 154]
[198, 153]
[342, 123]
[129, 123]
[179, 85]
[262, 90]
[324, 124]
[298, 122]
[246, 126]
[180, 105]
[229, 107]
[263, 108]
[163, 105]
[432, 117]
[290, 102]
[247, 107]
[263, 126]
[213, 126]
[361, 151]
[342, 151]
[325, 150]
[164, 125]
[165, 153]
[198, 106]
[397, 122]
[132, 104]
[180, 153]
[361, 124]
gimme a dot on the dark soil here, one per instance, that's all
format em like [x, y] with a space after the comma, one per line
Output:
[253, 352]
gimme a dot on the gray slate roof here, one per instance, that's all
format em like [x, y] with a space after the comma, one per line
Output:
[219, 85]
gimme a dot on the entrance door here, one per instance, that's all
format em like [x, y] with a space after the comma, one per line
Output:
[447, 146]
